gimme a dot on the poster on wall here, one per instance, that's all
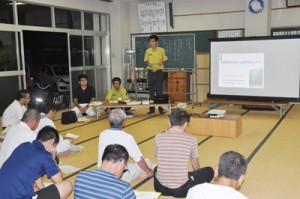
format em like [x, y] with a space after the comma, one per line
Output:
[152, 17]
[292, 3]
[230, 33]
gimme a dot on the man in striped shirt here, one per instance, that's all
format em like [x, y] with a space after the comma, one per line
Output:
[105, 182]
[173, 150]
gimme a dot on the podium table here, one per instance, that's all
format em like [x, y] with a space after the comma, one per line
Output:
[228, 126]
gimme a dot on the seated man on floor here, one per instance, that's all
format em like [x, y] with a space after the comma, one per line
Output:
[117, 93]
[173, 150]
[47, 117]
[20, 133]
[116, 135]
[229, 177]
[102, 182]
[22, 171]
[14, 112]
[83, 95]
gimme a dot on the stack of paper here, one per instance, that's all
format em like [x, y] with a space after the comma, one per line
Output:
[145, 102]
[134, 103]
[70, 135]
[125, 101]
[97, 103]
[147, 194]
[76, 148]
[67, 168]
[83, 119]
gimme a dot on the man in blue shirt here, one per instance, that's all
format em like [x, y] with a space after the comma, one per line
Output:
[104, 182]
[20, 175]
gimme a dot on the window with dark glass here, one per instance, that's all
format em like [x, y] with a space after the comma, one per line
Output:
[34, 15]
[10, 91]
[6, 12]
[88, 21]
[67, 19]
[89, 50]
[76, 50]
[8, 57]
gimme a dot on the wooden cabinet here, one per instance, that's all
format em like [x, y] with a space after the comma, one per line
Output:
[178, 86]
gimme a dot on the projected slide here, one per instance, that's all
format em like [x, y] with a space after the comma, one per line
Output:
[258, 68]
[244, 70]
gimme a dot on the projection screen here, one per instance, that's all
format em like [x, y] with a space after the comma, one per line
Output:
[260, 68]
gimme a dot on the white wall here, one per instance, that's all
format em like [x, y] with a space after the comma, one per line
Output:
[120, 39]
[286, 17]
[190, 15]
[115, 27]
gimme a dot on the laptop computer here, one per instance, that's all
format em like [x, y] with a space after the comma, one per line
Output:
[161, 99]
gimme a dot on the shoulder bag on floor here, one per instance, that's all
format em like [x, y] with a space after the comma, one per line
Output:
[68, 117]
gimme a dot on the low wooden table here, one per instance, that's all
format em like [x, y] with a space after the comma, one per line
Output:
[228, 126]
[278, 106]
[106, 105]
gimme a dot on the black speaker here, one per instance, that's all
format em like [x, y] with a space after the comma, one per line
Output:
[171, 15]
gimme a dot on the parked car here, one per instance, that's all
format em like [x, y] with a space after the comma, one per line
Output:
[57, 76]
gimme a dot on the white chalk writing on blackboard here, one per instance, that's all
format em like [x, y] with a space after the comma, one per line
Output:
[152, 17]
[180, 49]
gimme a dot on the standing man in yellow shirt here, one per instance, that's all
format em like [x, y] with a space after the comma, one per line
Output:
[155, 57]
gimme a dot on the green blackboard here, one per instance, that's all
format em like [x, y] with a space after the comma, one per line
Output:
[202, 43]
[203, 40]
[180, 49]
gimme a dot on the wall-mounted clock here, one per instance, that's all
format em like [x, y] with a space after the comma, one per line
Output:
[256, 6]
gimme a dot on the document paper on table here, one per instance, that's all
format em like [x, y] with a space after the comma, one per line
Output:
[147, 194]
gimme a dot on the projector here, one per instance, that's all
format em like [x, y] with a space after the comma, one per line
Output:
[216, 113]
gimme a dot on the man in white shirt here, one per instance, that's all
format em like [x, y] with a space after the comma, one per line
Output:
[14, 112]
[47, 118]
[20, 133]
[229, 177]
[116, 135]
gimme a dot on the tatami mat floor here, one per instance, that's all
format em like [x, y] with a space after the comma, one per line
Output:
[270, 144]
